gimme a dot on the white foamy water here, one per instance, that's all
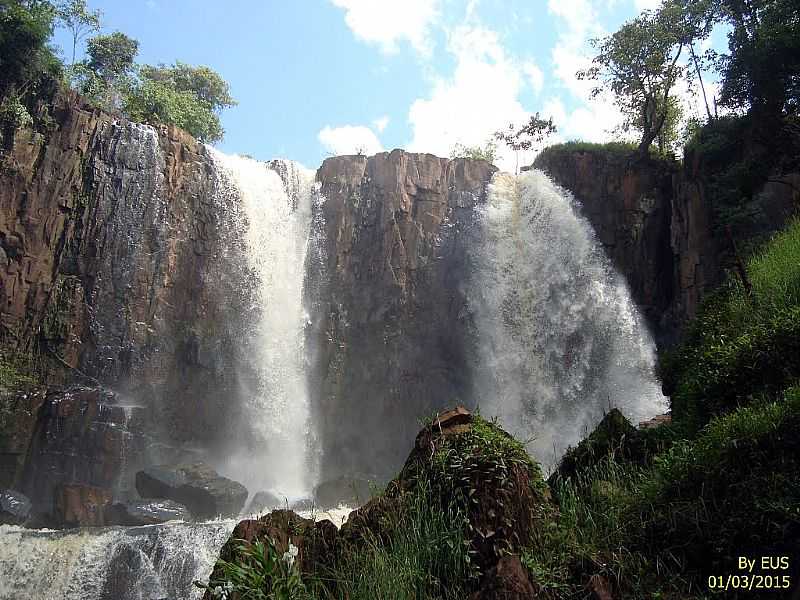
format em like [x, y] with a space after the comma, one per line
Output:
[561, 341]
[275, 200]
[115, 563]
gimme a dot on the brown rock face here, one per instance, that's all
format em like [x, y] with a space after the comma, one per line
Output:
[658, 225]
[629, 206]
[112, 267]
[389, 315]
[508, 580]
[81, 505]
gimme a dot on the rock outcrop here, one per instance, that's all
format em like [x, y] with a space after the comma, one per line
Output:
[146, 512]
[15, 508]
[388, 312]
[82, 436]
[80, 505]
[197, 486]
[661, 227]
[110, 270]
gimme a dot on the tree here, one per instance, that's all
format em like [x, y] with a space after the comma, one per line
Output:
[204, 83]
[762, 68]
[112, 56]
[534, 132]
[26, 61]
[487, 152]
[105, 77]
[640, 65]
[76, 16]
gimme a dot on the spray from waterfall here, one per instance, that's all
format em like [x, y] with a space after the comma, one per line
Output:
[560, 341]
[275, 201]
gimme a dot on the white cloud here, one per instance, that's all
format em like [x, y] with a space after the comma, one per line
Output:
[480, 97]
[381, 123]
[535, 75]
[387, 22]
[646, 4]
[349, 139]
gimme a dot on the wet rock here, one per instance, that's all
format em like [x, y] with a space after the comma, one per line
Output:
[77, 505]
[15, 508]
[317, 542]
[263, 501]
[342, 490]
[197, 486]
[389, 312]
[146, 512]
[508, 580]
[82, 436]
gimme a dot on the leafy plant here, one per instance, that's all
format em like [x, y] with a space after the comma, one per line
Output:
[260, 573]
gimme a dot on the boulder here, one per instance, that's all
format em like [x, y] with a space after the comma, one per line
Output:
[146, 512]
[348, 491]
[316, 542]
[263, 502]
[197, 486]
[15, 508]
[78, 505]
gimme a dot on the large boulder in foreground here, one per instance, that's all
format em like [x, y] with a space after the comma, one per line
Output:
[197, 486]
[459, 461]
[465, 459]
[316, 542]
[15, 508]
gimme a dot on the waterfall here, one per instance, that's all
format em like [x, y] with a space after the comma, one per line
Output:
[559, 338]
[141, 563]
[275, 218]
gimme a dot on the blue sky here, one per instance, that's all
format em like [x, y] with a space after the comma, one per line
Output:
[320, 77]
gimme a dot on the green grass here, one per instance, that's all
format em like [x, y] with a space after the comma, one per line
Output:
[425, 557]
[742, 345]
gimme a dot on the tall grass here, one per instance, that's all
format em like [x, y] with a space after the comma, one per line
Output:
[425, 557]
[742, 343]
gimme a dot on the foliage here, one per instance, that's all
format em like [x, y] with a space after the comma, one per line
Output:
[528, 136]
[14, 114]
[640, 65]
[424, 557]
[259, 573]
[741, 343]
[762, 68]
[186, 96]
[731, 492]
[487, 152]
[76, 16]
[25, 28]
[16, 372]
[106, 76]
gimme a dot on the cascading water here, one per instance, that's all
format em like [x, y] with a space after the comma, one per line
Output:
[141, 563]
[275, 200]
[560, 340]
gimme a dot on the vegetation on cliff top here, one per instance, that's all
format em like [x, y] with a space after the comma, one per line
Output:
[30, 72]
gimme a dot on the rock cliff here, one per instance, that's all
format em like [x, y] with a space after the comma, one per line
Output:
[389, 315]
[661, 227]
[112, 272]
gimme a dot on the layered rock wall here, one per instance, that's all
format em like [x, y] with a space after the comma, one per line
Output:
[388, 311]
[115, 268]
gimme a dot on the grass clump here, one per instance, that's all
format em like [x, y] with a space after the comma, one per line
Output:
[732, 491]
[424, 556]
[744, 344]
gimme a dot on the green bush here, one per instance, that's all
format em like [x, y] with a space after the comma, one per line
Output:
[733, 491]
